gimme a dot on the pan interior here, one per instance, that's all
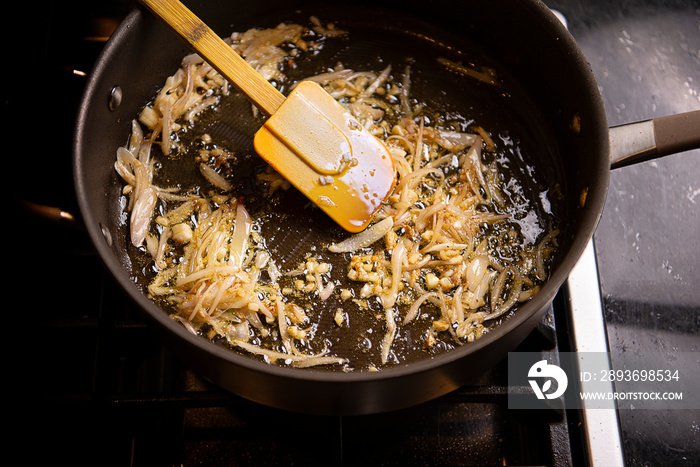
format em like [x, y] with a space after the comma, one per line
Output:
[293, 226]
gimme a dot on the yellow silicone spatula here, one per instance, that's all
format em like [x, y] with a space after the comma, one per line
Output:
[308, 137]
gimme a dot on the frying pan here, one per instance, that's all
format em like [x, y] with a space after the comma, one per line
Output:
[548, 97]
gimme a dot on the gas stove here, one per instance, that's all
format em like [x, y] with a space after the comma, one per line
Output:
[101, 389]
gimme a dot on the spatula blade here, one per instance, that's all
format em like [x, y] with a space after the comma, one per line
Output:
[316, 144]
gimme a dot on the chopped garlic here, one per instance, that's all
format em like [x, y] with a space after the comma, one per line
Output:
[296, 333]
[182, 233]
[339, 317]
[431, 281]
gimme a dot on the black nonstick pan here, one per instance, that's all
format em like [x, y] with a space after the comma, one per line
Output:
[547, 97]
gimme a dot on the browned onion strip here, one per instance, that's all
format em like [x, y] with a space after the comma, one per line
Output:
[282, 325]
[457, 305]
[418, 147]
[415, 307]
[221, 288]
[542, 251]
[469, 324]
[365, 238]
[297, 360]
[411, 179]
[498, 309]
[397, 257]
[241, 232]
[389, 336]
[486, 75]
[366, 93]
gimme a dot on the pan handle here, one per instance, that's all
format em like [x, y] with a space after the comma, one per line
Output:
[657, 137]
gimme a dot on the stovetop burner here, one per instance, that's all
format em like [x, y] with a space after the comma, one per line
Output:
[96, 387]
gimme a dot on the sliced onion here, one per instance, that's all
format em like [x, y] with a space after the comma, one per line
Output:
[397, 256]
[365, 238]
[214, 177]
[415, 306]
[141, 214]
[239, 239]
[498, 288]
[476, 270]
[296, 360]
[389, 335]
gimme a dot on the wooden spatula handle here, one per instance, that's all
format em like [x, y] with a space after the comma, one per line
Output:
[217, 53]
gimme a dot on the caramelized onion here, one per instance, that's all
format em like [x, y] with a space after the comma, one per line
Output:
[365, 238]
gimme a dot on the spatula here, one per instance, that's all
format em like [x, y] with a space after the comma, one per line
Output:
[308, 137]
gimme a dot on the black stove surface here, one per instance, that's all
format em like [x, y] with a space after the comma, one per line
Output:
[645, 55]
[99, 389]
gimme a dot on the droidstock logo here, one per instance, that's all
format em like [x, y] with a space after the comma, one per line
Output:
[547, 372]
